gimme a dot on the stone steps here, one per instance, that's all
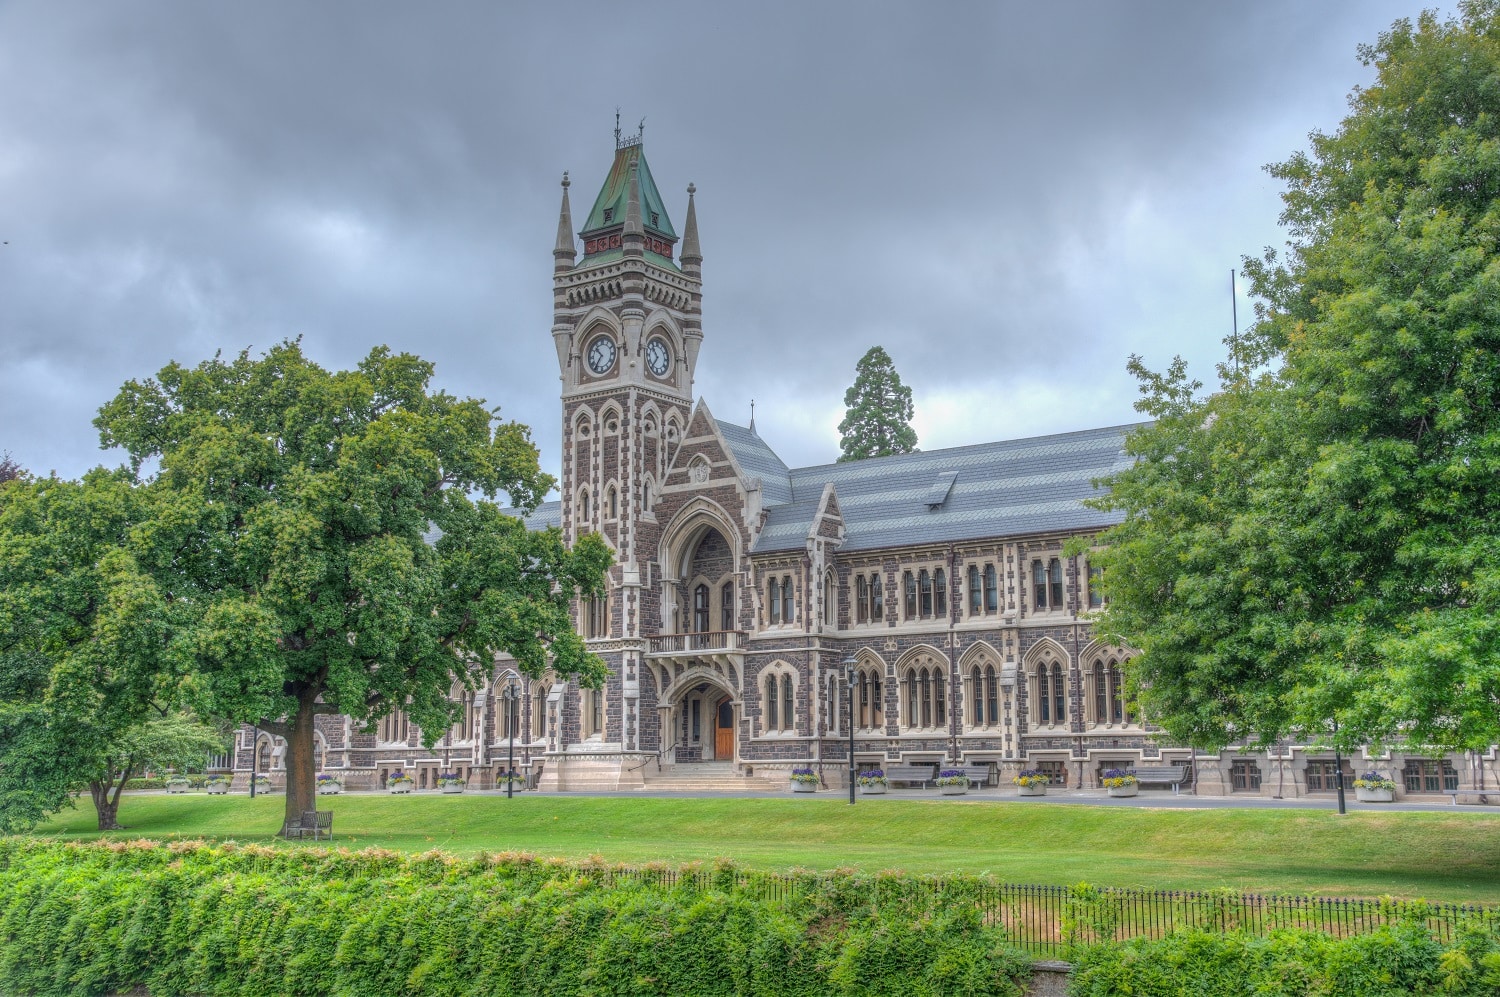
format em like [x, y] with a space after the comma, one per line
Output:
[702, 777]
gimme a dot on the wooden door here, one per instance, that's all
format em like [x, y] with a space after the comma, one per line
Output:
[724, 730]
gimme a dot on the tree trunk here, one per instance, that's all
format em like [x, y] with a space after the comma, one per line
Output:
[108, 808]
[301, 768]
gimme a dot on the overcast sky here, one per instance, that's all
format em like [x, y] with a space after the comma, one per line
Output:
[1011, 198]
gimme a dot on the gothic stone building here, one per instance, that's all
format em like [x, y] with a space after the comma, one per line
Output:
[741, 586]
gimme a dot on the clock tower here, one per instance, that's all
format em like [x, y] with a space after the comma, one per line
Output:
[627, 324]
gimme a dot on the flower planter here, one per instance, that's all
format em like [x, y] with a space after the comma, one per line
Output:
[1130, 790]
[953, 790]
[330, 789]
[217, 788]
[804, 787]
[177, 787]
[1031, 790]
[1373, 795]
[876, 790]
[402, 787]
[453, 789]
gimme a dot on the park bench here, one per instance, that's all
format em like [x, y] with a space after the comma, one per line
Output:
[1172, 775]
[922, 774]
[978, 774]
[313, 823]
[1477, 797]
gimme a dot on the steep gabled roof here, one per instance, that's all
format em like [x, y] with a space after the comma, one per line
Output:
[757, 460]
[992, 489]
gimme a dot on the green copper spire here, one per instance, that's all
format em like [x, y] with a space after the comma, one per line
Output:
[605, 227]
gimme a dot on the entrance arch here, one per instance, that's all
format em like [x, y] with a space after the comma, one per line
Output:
[700, 714]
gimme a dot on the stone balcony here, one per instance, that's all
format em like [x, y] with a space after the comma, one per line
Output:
[722, 647]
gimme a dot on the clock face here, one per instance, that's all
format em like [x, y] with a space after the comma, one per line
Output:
[601, 355]
[658, 359]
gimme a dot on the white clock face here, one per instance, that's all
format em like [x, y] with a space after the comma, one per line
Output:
[658, 358]
[601, 355]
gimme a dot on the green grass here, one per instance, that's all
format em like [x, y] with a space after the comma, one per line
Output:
[1406, 854]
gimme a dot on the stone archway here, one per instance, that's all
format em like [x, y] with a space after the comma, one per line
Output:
[700, 717]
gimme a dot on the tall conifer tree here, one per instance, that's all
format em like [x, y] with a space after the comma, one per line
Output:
[878, 421]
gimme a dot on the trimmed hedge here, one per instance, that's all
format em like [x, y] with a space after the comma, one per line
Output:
[192, 919]
[1389, 962]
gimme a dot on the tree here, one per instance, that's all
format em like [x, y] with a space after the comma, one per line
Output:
[289, 513]
[9, 469]
[878, 420]
[87, 645]
[1317, 546]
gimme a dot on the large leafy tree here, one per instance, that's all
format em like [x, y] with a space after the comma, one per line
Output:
[1317, 545]
[294, 512]
[879, 411]
[88, 648]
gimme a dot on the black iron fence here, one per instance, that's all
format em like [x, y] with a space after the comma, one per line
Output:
[1048, 920]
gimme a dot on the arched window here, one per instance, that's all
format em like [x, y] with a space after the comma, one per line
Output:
[539, 693]
[1039, 585]
[1101, 694]
[940, 593]
[1055, 573]
[1116, 695]
[877, 599]
[924, 591]
[773, 703]
[976, 594]
[940, 699]
[976, 690]
[835, 704]
[1044, 714]
[1096, 588]
[612, 503]
[510, 712]
[786, 702]
[1059, 696]
[593, 712]
[700, 609]
[773, 599]
[861, 600]
[991, 589]
[871, 704]
[926, 703]
[595, 612]
[726, 606]
[583, 507]
[787, 615]
[830, 608]
[264, 751]
[646, 495]
[909, 586]
[992, 694]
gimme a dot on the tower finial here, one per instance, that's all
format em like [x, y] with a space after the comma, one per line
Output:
[752, 415]
[617, 126]
[691, 255]
[565, 251]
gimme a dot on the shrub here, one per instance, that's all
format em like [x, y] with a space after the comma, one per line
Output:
[1118, 778]
[450, 779]
[1031, 777]
[952, 777]
[874, 777]
[1392, 961]
[189, 918]
[804, 775]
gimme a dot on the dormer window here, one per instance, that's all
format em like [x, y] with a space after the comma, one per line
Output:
[609, 215]
[655, 220]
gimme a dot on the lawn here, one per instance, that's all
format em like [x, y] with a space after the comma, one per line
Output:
[1406, 854]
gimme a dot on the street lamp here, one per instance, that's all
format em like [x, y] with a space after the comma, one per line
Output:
[849, 663]
[510, 693]
[254, 755]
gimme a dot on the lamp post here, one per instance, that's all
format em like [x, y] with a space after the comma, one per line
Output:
[254, 755]
[510, 694]
[849, 663]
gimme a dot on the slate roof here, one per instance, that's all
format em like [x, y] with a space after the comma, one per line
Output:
[758, 460]
[997, 489]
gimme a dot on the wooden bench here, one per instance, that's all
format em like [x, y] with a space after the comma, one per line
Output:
[1475, 797]
[922, 774]
[313, 823]
[978, 774]
[1172, 775]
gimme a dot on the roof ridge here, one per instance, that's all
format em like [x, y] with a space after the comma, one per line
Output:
[918, 454]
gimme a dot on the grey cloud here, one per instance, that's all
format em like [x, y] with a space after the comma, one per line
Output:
[1003, 194]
